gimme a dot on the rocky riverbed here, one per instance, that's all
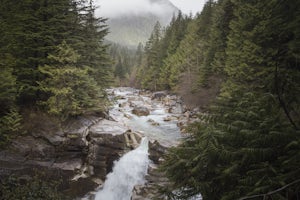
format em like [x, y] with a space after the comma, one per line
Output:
[82, 150]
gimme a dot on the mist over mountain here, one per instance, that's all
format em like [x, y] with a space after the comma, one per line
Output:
[132, 21]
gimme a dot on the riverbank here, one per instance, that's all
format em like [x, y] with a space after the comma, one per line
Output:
[82, 150]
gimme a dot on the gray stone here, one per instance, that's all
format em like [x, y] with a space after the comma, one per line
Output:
[153, 123]
[107, 127]
[141, 111]
[159, 95]
[176, 109]
[32, 148]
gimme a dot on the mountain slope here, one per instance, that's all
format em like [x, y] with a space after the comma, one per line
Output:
[128, 29]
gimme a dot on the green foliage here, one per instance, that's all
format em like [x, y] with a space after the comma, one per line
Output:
[92, 50]
[71, 90]
[31, 30]
[8, 91]
[11, 126]
[30, 188]
[10, 119]
[125, 61]
[161, 45]
[248, 144]
[34, 71]
[183, 48]
[240, 151]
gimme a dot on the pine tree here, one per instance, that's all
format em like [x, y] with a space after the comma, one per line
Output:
[139, 54]
[148, 74]
[248, 145]
[92, 49]
[10, 119]
[32, 30]
[72, 91]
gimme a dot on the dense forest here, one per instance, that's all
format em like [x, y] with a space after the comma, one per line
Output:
[247, 144]
[238, 58]
[53, 59]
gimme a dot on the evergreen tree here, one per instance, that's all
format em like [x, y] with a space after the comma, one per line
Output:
[92, 49]
[8, 90]
[248, 146]
[10, 119]
[149, 73]
[220, 29]
[139, 54]
[161, 45]
[32, 30]
[190, 56]
[72, 91]
[120, 71]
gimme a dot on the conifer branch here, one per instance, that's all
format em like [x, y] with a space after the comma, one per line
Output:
[281, 101]
[272, 192]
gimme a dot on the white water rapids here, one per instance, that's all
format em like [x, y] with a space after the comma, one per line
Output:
[131, 169]
[166, 133]
[127, 172]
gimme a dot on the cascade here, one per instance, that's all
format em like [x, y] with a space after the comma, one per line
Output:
[129, 171]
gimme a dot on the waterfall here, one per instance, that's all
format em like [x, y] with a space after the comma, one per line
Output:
[129, 171]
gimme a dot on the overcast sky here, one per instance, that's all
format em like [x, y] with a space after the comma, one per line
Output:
[187, 6]
[109, 8]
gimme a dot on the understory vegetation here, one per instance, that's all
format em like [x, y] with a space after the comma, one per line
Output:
[247, 145]
[241, 55]
[35, 187]
[53, 59]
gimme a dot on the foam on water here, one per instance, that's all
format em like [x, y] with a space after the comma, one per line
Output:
[129, 171]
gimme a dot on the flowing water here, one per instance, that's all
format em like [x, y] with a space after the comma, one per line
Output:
[127, 172]
[131, 169]
[166, 132]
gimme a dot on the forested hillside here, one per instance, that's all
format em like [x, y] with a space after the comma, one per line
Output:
[52, 59]
[237, 60]
[131, 28]
[247, 144]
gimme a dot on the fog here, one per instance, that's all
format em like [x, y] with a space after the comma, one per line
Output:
[114, 8]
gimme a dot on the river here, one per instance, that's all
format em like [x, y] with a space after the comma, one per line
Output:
[154, 126]
[131, 168]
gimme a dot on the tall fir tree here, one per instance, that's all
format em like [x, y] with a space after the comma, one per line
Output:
[72, 91]
[248, 145]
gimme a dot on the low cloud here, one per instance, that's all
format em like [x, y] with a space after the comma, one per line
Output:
[114, 8]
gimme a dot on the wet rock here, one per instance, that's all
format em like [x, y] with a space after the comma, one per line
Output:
[154, 179]
[127, 116]
[123, 104]
[150, 190]
[169, 101]
[170, 118]
[32, 148]
[140, 111]
[176, 109]
[107, 127]
[156, 151]
[106, 148]
[159, 95]
[137, 104]
[68, 165]
[75, 150]
[153, 123]
[135, 98]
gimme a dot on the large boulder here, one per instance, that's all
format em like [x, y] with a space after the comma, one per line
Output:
[105, 148]
[156, 151]
[159, 95]
[140, 111]
[154, 178]
[176, 109]
[80, 150]
[107, 127]
[32, 148]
